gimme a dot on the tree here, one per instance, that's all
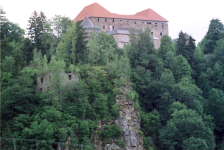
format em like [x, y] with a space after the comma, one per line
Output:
[213, 35]
[27, 50]
[141, 46]
[93, 49]
[81, 43]
[219, 51]
[61, 24]
[19, 62]
[184, 126]
[181, 47]
[186, 47]
[57, 82]
[8, 64]
[191, 49]
[181, 68]
[215, 106]
[36, 29]
[66, 46]
[165, 46]
[12, 31]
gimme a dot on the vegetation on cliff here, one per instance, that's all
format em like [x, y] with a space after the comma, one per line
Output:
[178, 88]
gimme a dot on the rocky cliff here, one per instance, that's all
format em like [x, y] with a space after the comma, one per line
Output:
[129, 121]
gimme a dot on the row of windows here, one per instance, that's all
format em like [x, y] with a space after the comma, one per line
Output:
[42, 80]
[161, 34]
[135, 22]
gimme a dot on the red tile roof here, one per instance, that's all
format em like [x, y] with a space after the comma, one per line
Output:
[96, 10]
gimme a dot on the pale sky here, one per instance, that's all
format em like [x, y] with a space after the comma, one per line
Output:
[190, 16]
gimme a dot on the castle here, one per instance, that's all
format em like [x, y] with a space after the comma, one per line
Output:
[97, 18]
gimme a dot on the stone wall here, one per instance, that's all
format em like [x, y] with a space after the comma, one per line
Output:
[42, 82]
[158, 28]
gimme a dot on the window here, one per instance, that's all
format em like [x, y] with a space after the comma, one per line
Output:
[113, 19]
[105, 19]
[70, 77]
[161, 33]
[121, 39]
[49, 78]
[41, 80]
[151, 33]
[113, 27]
[135, 22]
[142, 22]
[98, 19]
[103, 26]
[47, 88]
[148, 22]
[155, 25]
[157, 43]
[162, 25]
[120, 20]
[40, 89]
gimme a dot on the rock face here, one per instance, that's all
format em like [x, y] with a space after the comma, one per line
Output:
[129, 121]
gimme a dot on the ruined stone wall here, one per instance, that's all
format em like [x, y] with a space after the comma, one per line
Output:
[158, 29]
[42, 82]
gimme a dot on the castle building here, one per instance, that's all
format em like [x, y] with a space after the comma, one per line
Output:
[121, 24]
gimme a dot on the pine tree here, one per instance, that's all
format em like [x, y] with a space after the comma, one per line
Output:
[81, 43]
[181, 47]
[36, 29]
[213, 35]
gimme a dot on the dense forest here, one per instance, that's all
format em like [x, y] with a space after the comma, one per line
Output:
[178, 88]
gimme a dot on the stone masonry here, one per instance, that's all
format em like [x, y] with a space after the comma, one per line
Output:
[158, 28]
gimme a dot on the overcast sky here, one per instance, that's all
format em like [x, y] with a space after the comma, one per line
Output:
[191, 16]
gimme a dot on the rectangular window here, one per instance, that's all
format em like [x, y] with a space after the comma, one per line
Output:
[98, 19]
[148, 22]
[105, 19]
[104, 27]
[162, 25]
[151, 33]
[113, 19]
[41, 80]
[161, 33]
[40, 89]
[70, 77]
[113, 27]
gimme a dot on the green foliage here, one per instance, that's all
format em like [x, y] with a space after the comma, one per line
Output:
[111, 132]
[147, 143]
[66, 46]
[121, 143]
[165, 46]
[212, 36]
[195, 144]
[150, 123]
[181, 68]
[140, 49]
[185, 126]
[36, 29]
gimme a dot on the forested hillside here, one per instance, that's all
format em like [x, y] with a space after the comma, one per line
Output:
[177, 88]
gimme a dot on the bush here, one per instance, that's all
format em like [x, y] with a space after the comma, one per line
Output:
[111, 132]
